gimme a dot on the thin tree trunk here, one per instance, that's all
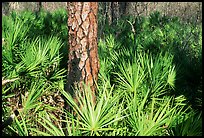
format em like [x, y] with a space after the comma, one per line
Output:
[115, 11]
[122, 8]
[83, 63]
[108, 13]
[130, 8]
[5, 8]
[39, 6]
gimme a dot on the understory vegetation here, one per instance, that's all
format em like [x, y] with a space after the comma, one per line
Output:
[150, 79]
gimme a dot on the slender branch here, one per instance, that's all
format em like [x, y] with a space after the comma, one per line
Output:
[7, 81]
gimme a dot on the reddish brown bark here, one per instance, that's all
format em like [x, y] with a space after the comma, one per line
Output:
[83, 63]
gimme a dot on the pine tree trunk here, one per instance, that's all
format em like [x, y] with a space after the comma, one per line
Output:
[115, 11]
[108, 13]
[5, 8]
[39, 6]
[122, 8]
[130, 10]
[83, 63]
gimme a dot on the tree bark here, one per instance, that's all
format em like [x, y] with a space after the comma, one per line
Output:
[115, 11]
[39, 6]
[83, 63]
[122, 8]
[108, 13]
[130, 8]
[5, 8]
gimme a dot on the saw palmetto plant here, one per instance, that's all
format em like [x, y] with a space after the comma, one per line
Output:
[30, 68]
[96, 118]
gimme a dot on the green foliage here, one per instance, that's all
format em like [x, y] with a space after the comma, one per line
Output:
[147, 58]
[147, 71]
[31, 107]
[35, 60]
[98, 117]
[189, 125]
[154, 121]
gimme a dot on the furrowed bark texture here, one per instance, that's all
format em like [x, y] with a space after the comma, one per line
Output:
[83, 63]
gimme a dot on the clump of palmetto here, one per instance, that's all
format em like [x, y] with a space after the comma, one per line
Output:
[32, 65]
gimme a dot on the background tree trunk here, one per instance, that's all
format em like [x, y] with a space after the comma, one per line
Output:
[130, 8]
[5, 8]
[108, 12]
[83, 63]
[115, 11]
[122, 8]
[39, 6]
